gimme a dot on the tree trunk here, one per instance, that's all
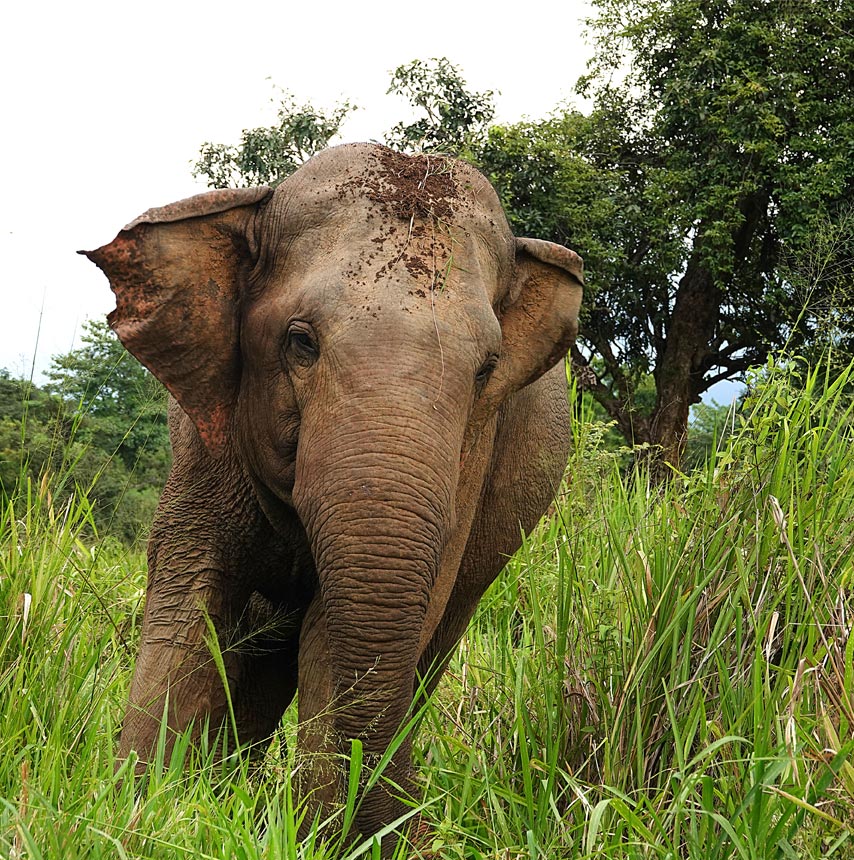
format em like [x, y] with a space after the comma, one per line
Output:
[691, 330]
[690, 347]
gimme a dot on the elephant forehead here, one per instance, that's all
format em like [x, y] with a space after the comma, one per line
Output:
[413, 281]
[406, 265]
[403, 185]
[372, 192]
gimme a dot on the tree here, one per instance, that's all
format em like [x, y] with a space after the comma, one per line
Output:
[454, 118]
[265, 156]
[30, 421]
[99, 425]
[125, 406]
[721, 137]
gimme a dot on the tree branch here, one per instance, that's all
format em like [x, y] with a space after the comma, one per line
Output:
[633, 426]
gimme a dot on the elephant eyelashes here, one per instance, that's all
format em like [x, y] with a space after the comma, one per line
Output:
[482, 376]
[300, 345]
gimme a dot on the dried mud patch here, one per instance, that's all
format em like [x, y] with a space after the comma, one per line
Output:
[424, 193]
[409, 186]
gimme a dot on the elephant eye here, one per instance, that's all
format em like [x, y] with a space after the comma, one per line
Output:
[482, 376]
[301, 345]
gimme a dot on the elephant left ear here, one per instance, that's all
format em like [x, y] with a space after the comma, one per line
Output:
[175, 272]
[539, 320]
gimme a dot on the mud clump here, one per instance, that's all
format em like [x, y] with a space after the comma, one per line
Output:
[421, 191]
[418, 265]
[410, 186]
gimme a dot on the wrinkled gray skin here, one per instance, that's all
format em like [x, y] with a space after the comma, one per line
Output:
[369, 402]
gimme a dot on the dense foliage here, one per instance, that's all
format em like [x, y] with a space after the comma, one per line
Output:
[658, 674]
[717, 153]
[98, 426]
[453, 119]
[266, 155]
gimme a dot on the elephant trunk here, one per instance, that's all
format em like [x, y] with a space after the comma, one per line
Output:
[376, 498]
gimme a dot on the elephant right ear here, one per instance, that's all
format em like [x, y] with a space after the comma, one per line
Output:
[175, 272]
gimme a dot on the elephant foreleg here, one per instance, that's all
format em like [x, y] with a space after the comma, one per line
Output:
[176, 663]
[319, 780]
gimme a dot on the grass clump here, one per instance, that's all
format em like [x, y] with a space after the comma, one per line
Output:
[660, 672]
[667, 672]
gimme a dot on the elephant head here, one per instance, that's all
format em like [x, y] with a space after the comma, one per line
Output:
[351, 335]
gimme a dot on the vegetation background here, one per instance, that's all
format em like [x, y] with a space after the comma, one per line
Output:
[666, 669]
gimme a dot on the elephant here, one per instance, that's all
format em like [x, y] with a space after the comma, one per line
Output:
[368, 407]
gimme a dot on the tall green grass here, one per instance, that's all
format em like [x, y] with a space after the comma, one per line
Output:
[660, 672]
[668, 672]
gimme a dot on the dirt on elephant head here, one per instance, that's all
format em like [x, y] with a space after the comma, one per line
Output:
[423, 194]
[410, 186]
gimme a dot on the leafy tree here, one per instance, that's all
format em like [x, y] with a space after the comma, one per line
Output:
[99, 424]
[720, 140]
[124, 403]
[265, 156]
[30, 422]
[454, 118]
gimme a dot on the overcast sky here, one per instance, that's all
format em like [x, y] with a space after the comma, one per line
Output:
[104, 106]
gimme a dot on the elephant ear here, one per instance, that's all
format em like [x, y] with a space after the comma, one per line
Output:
[539, 318]
[175, 272]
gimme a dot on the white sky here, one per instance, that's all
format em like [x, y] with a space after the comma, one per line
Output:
[104, 105]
